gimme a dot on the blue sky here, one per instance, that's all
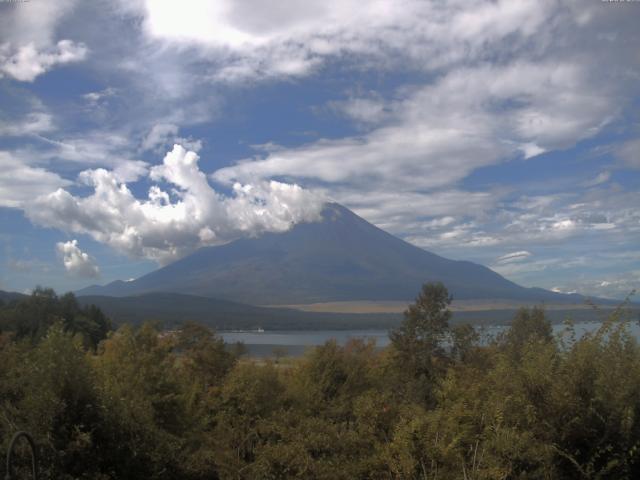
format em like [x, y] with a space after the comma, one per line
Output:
[502, 132]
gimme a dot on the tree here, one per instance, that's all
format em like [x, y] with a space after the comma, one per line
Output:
[143, 404]
[32, 316]
[47, 389]
[205, 357]
[528, 326]
[463, 338]
[418, 341]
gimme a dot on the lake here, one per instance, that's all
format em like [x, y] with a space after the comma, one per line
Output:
[296, 342]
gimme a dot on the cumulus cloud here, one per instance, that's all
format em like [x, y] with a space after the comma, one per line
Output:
[171, 223]
[76, 262]
[26, 62]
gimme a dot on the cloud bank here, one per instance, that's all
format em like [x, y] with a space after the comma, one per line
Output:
[168, 224]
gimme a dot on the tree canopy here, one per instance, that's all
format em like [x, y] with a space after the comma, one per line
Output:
[143, 403]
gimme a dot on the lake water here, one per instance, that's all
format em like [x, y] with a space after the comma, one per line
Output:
[296, 342]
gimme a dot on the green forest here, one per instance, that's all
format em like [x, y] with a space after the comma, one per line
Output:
[141, 403]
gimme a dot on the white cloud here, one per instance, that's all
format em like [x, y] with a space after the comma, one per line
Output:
[363, 110]
[33, 123]
[253, 39]
[264, 40]
[406, 212]
[28, 44]
[512, 269]
[604, 216]
[162, 135]
[531, 150]
[130, 170]
[170, 224]
[560, 290]
[33, 23]
[93, 98]
[240, 40]
[159, 135]
[602, 177]
[20, 183]
[514, 256]
[26, 62]
[438, 134]
[76, 262]
[537, 203]
[566, 224]
[93, 148]
[588, 271]
[610, 285]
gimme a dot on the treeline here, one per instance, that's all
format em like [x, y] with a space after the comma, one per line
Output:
[31, 317]
[140, 404]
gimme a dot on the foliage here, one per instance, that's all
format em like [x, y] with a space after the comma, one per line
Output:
[32, 316]
[148, 404]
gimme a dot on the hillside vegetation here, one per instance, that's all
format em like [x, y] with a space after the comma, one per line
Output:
[137, 403]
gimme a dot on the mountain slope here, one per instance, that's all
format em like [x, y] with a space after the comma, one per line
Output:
[342, 257]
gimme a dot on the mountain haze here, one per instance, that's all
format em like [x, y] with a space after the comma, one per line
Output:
[342, 257]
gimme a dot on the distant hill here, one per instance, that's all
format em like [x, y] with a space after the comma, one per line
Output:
[172, 309]
[7, 297]
[341, 258]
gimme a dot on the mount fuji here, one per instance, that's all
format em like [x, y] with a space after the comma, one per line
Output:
[340, 258]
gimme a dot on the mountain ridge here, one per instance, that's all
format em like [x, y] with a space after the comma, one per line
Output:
[340, 258]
